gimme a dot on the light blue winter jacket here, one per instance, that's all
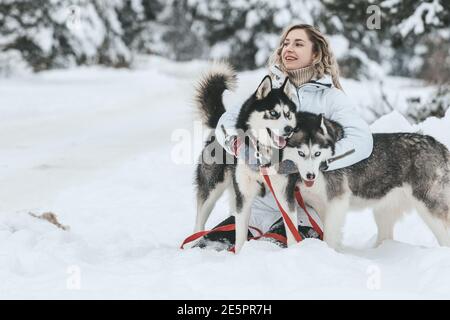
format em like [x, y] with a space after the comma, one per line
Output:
[318, 96]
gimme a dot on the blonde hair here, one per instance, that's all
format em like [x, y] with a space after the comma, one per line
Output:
[324, 63]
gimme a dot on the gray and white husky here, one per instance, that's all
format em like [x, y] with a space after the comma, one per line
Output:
[405, 171]
[267, 119]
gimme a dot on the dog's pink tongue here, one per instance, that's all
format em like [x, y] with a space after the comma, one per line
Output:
[281, 142]
[309, 183]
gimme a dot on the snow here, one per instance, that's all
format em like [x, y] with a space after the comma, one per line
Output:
[44, 37]
[415, 22]
[252, 18]
[264, 43]
[94, 146]
[12, 62]
[384, 124]
[366, 95]
[282, 18]
[220, 50]
[339, 44]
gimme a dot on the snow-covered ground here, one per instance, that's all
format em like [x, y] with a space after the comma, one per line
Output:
[98, 147]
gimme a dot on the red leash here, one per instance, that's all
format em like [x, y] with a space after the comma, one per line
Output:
[301, 203]
[195, 236]
[228, 227]
[278, 237]
[286, 218]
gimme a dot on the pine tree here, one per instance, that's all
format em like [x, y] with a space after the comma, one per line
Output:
[400, 42]
[179, 39]
[246, 32]
[58, 34]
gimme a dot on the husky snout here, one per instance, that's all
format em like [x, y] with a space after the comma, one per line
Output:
[288, 131]
[310, 176]
[310, 179]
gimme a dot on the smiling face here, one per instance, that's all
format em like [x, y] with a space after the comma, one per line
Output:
[297, 50]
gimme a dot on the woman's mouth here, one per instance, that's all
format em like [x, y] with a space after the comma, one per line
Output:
[290, 58]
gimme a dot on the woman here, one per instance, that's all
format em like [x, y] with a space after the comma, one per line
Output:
[304, 56]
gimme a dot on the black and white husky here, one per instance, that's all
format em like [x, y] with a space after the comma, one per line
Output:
[267, 119]
[405, 171]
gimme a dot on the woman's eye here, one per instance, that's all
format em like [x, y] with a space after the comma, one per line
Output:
[301, 154]
[317, 154]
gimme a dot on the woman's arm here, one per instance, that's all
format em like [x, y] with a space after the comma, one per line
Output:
[357, 133]
[226, 128]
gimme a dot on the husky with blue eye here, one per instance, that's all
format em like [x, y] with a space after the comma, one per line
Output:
[267, 119]
[406, 171]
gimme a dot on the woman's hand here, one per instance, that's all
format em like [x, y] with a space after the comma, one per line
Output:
[235, 145]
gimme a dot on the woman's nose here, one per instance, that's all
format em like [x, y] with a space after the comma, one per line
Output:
[289, 47]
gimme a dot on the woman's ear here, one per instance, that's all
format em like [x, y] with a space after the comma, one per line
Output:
[317, 56]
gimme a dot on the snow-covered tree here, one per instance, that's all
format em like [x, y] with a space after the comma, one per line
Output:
[402, 41]
[62, 33]
[178, 38]
[246, 32]
[138, 19]
[427, 30]
[412, 35]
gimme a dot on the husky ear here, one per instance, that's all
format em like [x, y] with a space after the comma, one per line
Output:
[288, 89]
[264, 88]
[323, 127]
[335, 130]
[330, 128]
